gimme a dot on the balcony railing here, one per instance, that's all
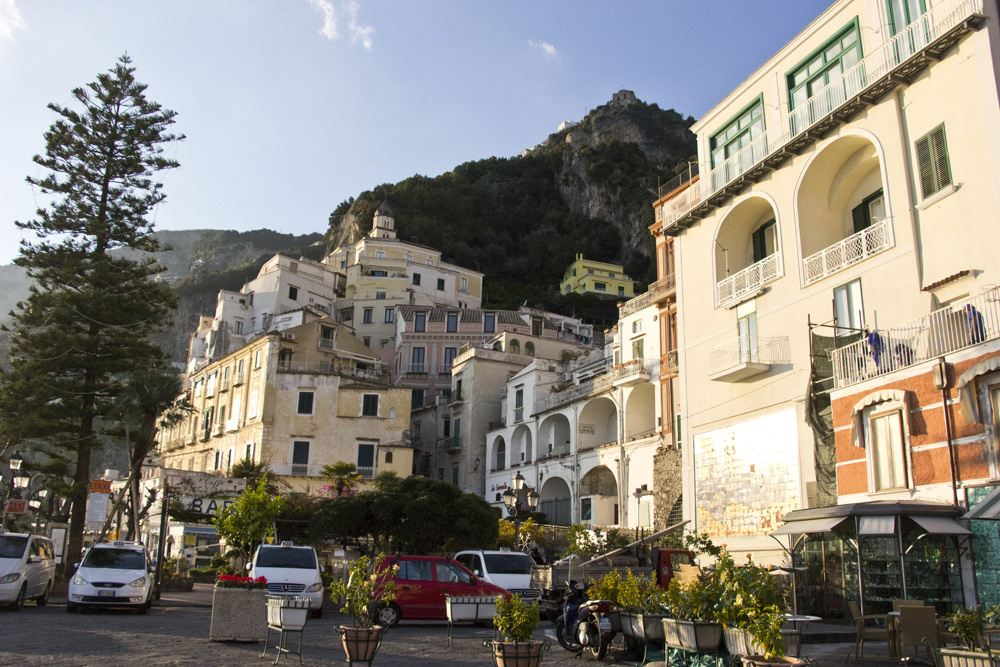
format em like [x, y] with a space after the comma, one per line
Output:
[755, 352]
[633, 306]
[749, 281]
[224, 384]
[367, 472]
[451, 443]
[416, 369]
[237, 379]
[855, 248]
[518, 415]
[888, 66]
[326, 343]
[955, 327]
[662, 288]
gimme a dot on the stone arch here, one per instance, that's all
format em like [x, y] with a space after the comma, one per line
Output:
[556, 501]
[598, 423]
[554, 436]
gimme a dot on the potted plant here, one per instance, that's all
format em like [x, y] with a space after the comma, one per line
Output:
[607, 588]
[516, 621]
[370, 585]
[238, 611]
[967, 625]
[694, 606]
[642, 608]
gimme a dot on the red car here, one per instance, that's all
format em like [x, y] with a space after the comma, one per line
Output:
[421, 584]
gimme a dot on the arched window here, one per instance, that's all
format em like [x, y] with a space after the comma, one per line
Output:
[501, 456]
[514, 347]
[388, 457]
[529, 349]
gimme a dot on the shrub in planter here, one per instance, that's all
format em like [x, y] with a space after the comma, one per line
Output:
[694, 607]
[516, 621]
[370, 585]
[751, 600]
[969, 623]
[238, 611]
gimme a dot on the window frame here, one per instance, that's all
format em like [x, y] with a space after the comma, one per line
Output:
[416, 278]
[451, 325]
[852, 26]
[390, 314]
[366, 410]
[293, 293]
[933, 162]
[874, 450]
[858, 309]
[440, 284]
[367, 315]
[746, 113]
[489, 323]
[420, 322]
[303, 393]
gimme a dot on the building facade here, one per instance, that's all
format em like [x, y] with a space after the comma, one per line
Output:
[586, 276]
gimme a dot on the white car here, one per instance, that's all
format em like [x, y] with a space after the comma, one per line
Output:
[113, 574]
[290, 570]
[27, 568]
[504, 568]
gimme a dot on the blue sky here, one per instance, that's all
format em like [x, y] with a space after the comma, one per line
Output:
[292, 106]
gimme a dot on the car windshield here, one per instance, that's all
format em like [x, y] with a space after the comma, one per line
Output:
[509, 563]
[12, 546]
[115, 559]
[293, 557]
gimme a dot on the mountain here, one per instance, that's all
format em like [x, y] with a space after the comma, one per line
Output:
[587, 188]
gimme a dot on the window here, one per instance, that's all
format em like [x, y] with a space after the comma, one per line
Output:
[380, 254]
[420, 322]
[454, 480]
[440, 284]
[529, 349]
[366, 459]
[449, 356]
[601, 287]
[849, 308]
[198, 385]
[238, 327]
[300, 457]
[369, 405]
[416, 278]
[869, 211]
[293, 293]
[518, 404]
[218, 460]
[416, 402]
[388, 457]
[824, 65]
[638, 348]
[256, 359]
[367, 340]
[501, 456]
[252, 405]
[514, 347]
[305, 403]
[390, 315]
[463, 284]
[904, 12]
[367, 316]
[590, 272]
[378, 273]
[883, 437]
[933, 169]
[739, 132]
[746, 329]
[637, 326]
[447, 427]
[574, 272]
[452, 322]
[489, 323]
[536, 326]
[408, 257]
[621, 291]
[379, 295]
[765, 241]
[419, 360]
[239, 371]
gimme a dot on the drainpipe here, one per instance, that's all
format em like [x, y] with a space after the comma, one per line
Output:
[622, 465]
[941, 382]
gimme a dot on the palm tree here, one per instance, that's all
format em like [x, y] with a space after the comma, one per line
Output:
[343, 478]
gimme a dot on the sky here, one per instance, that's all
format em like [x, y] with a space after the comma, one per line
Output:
[290, 107]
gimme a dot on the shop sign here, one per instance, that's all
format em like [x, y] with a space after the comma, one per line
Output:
[211, 506]
[16, 506]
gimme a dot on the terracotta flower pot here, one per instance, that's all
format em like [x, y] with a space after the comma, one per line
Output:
[361, 644]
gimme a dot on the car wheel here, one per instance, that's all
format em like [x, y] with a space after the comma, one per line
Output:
[389, 615]
[44, 600]
[18, 603]
[71, 608]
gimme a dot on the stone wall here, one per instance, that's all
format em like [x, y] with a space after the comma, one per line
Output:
[667, 484]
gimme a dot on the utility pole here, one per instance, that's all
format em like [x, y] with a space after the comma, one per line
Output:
[164, 501]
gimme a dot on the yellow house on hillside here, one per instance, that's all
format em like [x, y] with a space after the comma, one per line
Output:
[585, 276]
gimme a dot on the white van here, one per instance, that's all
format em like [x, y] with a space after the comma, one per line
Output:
[505, 568]
[292, 571]
[27, 569]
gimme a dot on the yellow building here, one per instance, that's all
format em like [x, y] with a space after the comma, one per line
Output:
[298, 399]
[585, 276]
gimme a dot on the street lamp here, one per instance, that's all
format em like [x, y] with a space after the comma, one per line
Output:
[521, 501]
[14, 462]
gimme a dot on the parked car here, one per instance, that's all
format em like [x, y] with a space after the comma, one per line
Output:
[504, 568]
[290, 570]
[113, 574]
[27, 569]
[421, 584]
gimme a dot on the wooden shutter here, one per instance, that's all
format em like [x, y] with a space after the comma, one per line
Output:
[939, 148]
[925, 166]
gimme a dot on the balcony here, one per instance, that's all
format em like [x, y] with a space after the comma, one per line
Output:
[238, 379]
[224, 384]
[456, 397]
[633, 306]
[742, 358]
[498, 424]
[662, 289]
[325, 343]
[367, 472]
[232, 425]
[297, 469]
[855, 248]
[452, 444]
[958, 326]
[518, 415]
[629, 373]
[416, 369]
[444, 369]
[894, 63]
[749, 282]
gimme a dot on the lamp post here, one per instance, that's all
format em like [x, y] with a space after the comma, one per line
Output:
[11, 485]
[521, 501]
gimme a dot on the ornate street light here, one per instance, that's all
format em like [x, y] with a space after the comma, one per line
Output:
[521, 501]
[14, 462]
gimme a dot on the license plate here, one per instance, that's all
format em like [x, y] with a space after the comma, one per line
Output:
[605, 624]
[105, 594]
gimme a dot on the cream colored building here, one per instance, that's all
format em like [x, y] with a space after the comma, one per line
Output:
[298, 399]
[847, 187]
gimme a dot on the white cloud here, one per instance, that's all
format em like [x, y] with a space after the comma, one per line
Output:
[329, 29]
[10, 18]
[544, 46]
[360, 32]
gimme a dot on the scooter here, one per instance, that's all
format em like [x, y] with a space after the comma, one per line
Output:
[584, 623]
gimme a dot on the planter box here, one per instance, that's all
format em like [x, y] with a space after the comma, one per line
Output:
[671, 632]
[616, 621]
[650, 627]
[238, 615]
[287, 613]
[953, 657]
[739, 642]
[628, 623]
[698, 635]
[517, 654]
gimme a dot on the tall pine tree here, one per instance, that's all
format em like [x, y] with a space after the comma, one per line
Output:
[84, 328]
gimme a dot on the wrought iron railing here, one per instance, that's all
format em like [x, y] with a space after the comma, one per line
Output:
[957, 326]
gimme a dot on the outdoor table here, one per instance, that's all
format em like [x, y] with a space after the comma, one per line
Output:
[796, 630]
[800, 618]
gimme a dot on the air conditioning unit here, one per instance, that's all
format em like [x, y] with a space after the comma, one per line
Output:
[288, 336]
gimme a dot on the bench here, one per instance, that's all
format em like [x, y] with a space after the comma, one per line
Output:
[468, 609]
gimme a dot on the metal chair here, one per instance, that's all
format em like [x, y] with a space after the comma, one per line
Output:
[866, 631]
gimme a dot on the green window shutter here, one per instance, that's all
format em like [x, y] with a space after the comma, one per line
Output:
[759, 245]
[939, 147]
[861, 220]
[933, 168]
[925, 167]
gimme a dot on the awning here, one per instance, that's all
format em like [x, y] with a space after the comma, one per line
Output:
[941, 525]
[200, 530]
[877, 525]
[810, 526]
[987, 508]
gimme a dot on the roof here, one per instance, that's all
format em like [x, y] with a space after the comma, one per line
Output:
[874, 508]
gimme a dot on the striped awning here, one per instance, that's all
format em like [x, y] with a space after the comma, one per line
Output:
[200, 530]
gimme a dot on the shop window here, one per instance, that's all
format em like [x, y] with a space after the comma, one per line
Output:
[933, 168]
